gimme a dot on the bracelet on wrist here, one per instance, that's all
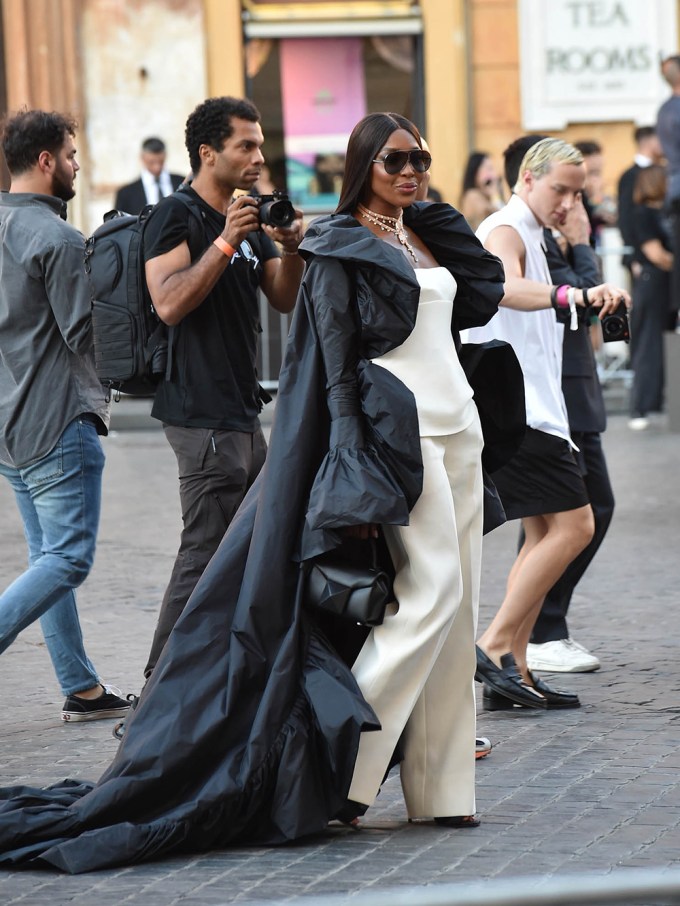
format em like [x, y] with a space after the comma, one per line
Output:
[585, 296]
[571, 301]
[553, 297]
[224, 247]
[562, 296]
[286, 254]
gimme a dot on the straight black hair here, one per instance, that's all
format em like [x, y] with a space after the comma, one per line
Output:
[368, 136]
[474, 162]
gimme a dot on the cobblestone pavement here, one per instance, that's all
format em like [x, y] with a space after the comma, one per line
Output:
[593, 790]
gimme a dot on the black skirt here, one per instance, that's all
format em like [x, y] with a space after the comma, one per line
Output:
[542, 477]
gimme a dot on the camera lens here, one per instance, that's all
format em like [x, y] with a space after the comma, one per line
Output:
[615, 325]
[277, 212]
[612, 325]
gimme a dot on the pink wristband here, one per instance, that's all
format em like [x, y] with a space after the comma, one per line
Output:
[562, 297]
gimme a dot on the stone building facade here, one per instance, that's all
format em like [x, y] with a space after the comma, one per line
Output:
[132, 68]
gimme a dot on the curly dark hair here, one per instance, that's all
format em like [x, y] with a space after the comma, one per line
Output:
[367, 138]
[210, 124]
[30, 132]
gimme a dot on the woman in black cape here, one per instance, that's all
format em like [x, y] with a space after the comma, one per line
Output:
[249, 729]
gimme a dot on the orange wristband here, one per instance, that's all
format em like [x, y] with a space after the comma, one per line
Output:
[224, 247]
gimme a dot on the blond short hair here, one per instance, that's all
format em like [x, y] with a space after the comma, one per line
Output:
[541, 156]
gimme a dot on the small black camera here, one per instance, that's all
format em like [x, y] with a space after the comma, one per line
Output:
[276, 209]
[615, 325]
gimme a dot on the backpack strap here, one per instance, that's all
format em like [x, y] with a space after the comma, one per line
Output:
[197, 242]
[196, 239]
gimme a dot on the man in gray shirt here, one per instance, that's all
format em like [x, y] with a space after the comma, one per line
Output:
[668, 130]
[52, 406]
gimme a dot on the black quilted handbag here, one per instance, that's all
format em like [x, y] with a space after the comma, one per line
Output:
[339, 583]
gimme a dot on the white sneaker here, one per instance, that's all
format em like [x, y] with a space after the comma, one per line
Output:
[638, 424]
[482, 747]
[561, 656]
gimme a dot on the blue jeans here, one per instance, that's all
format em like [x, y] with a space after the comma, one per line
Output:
[59, 498]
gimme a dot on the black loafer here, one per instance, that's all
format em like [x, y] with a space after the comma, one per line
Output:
[506, 681]
[556, 698]
[492, 701]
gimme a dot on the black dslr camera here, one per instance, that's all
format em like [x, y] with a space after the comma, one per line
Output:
[615, 325]
[276, 209]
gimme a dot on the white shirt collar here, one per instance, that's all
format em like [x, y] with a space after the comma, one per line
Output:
[151, 186]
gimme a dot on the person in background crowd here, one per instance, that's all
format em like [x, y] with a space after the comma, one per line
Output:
[647, 152]
[572, 260]
[601, 209]
[654, 309]
[480, 193]
[668, 130]
[154, 183]
[52, 406]
[542, 484]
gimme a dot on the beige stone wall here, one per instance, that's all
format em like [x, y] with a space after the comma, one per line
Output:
[126, 68]
[446, 91]
[131, 68]
[495, 83]
[144, 70]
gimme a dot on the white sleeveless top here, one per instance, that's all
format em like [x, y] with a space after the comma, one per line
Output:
[535, 336]
[427, 362]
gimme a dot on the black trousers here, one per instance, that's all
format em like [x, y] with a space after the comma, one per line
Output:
[675, 273]
[216, 468]
[648, 321]
[551, 624]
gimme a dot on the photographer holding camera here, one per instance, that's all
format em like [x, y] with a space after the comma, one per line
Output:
[542, 484]
[572, 261]
[210, 399]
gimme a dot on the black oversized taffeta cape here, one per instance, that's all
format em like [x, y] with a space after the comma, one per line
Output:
[248, 729]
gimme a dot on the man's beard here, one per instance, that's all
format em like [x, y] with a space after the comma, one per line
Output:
[62, 186]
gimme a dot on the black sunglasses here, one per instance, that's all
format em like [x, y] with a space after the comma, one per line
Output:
[395, 161]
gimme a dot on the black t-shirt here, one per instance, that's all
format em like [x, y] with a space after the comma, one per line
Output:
[649, 223]
[213, 381]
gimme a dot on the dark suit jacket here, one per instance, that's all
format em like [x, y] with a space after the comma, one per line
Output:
[580, 383]
[625, 205]
[132, 198]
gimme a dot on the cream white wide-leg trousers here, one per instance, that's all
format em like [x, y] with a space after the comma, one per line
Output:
[416, 670]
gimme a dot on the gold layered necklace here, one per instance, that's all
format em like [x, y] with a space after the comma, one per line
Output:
[390, 225]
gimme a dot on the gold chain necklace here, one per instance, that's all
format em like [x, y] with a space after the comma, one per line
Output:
[390, 225]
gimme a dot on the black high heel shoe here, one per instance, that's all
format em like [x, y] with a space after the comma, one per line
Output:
[506, 680]
[350, 812]
[458, 821]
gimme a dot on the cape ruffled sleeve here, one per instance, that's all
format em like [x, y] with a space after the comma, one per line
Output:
[478, 273]
[352, 486]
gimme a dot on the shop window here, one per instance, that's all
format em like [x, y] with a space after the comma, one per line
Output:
[311, 91]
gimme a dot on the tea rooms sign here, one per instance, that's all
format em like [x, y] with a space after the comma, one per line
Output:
[585, 61]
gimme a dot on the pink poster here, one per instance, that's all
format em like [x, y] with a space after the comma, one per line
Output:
[323, 96]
